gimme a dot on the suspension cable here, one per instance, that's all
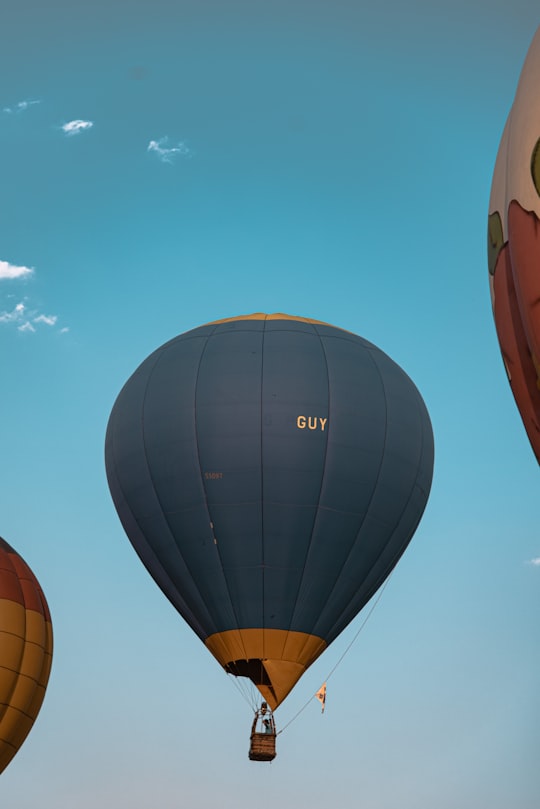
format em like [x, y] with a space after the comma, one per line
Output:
[245, 690]
[348, 648]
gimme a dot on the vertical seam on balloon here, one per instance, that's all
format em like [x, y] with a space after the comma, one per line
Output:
[150, 476]
[372, 495]
[263, 557]
[375, 485]
[118, 481]
[216, 546]
[519, 320]
[395, 557]
[196, 588]
[338, 625]
[9, 739]
[16, 679]
[315, 518]
[47, 646]
[506, 173]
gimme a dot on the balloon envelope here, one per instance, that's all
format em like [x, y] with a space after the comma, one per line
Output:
[514, 245]
[269, 471]
[25, 651]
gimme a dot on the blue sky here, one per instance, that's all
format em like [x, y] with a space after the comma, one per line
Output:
[329, 160]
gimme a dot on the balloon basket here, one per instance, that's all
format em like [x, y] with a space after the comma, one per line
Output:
[262, 747]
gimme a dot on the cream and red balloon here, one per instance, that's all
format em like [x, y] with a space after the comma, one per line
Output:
[514, 245]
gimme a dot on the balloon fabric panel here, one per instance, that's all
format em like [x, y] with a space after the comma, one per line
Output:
[515, 349]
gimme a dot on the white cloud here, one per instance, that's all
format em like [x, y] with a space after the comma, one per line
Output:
[23, 318]
[77, 126]
[49, 320]
[8, 270]
[535, 561]
[21, 106]
[64, 330]
[13, 316]
[167, 153]
[27, 320]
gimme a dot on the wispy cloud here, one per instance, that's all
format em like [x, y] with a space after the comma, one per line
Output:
[77, 126]
[16, 314]
[10, 271]
[28, 320]
[167, 153]
[21, 106]
[49, 320]
[535, 562]
[20, 316]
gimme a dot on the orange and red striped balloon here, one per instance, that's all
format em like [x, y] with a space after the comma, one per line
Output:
[25, 651]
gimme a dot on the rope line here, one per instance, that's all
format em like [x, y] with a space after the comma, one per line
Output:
[362, 625]
[245, 691]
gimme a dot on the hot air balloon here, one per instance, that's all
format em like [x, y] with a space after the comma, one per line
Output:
[25, 651]
[514, 245]
[269, 471]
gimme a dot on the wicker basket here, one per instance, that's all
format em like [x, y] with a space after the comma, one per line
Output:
[262, 747]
